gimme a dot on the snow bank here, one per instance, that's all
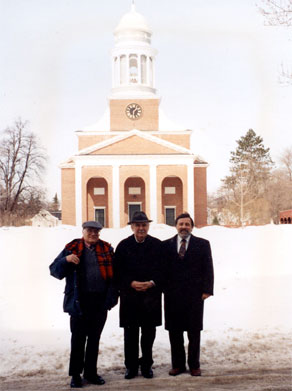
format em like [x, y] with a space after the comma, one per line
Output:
[250, 309]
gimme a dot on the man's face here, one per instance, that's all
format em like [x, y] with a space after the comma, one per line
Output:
[140, 230]
[184, 227]
[91, 235]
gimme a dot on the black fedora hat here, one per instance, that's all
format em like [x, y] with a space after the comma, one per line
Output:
[139, 217]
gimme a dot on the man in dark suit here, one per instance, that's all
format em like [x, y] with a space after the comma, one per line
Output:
[190, 279]
[138, 275]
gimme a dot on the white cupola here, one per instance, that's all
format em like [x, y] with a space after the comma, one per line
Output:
[133, 58]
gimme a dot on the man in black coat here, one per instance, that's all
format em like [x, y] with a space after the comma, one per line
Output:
[86, 264]
[189, 270]
[138, 274]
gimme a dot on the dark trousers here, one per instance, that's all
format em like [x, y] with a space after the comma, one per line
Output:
[131, 346]
[85, 335]
[178, 355]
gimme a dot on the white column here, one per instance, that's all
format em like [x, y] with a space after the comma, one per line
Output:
[147, 71]
[153, 194]
[139, 69]
[118, 72]
[78, 194]
[153, 73]
[191, 200]
[113, 72]
[116, 197]
[127, 69]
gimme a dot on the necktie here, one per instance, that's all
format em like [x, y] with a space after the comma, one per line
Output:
[182, 249]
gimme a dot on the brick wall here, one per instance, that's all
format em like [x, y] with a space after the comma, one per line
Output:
[148, 120]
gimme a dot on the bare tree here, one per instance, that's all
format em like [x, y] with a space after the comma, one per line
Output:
[286, 161]
[22, 162]
[279, 193]
[278, 13]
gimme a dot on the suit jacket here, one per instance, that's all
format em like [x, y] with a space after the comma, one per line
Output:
[186, 280]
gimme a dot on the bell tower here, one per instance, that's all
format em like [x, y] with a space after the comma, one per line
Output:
[133, 101]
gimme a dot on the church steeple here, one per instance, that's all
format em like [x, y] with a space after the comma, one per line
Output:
[133, 58]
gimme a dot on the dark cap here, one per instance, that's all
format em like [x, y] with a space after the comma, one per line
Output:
[139, 217]
[92, 224]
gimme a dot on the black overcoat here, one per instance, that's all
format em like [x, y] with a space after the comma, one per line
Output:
[186, 280]
[139, 262]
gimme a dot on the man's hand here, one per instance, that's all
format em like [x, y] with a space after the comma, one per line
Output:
[205, 296]
[73, 259]
[141, 286]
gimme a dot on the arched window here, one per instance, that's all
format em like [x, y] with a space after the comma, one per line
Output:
[123, 70]
[133, 65]
[143, 69]
[116, 71]
[151, 71]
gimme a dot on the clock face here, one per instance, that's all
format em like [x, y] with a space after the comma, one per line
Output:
[133, 111]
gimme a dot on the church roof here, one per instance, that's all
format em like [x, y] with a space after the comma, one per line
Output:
[103, 125]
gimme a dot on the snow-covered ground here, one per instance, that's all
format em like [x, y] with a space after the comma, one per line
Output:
[247, 323]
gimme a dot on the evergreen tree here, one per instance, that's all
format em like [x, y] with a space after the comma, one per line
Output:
[55, 204]
[250, 171]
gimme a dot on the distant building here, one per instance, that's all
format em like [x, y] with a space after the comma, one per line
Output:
[285, 216]
[134, 158]
[44, 219]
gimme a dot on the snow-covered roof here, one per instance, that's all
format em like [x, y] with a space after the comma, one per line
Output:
[165, 124]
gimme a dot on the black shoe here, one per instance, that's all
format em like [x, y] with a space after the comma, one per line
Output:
[131, 373]
[147, 373]
[76, 381]
[95, 379]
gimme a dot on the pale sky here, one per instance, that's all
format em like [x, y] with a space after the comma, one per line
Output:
[217, 72]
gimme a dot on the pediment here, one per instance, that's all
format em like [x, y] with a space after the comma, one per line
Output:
[135, 142]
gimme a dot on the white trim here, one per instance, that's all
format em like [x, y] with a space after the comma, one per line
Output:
[116, 196]
[118, 132]
[201, 165]
[153, 192]
[129, 160]
[78, 194]
[191, 190]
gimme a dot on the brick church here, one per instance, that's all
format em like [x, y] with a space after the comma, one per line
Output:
[134, 158]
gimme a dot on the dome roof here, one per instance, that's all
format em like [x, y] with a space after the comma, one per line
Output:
[133, 21]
